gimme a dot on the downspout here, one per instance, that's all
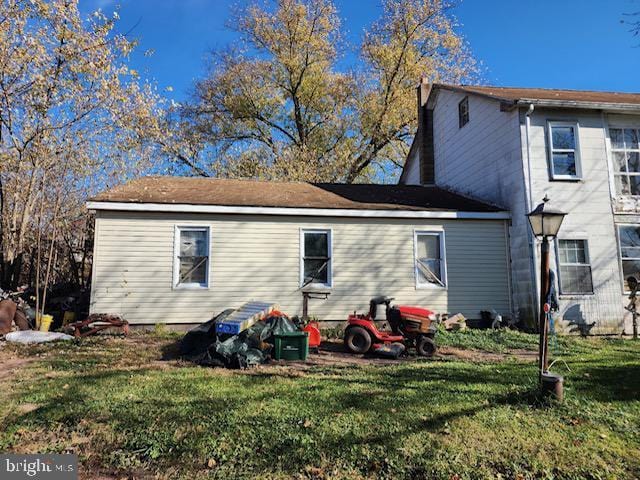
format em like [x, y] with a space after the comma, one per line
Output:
[527, 127]
[529, 205]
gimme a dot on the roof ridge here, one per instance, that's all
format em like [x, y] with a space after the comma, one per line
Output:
[258, 180]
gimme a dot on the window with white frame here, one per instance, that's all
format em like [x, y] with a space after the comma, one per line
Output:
[564, 151]
[629, 236]
[574, 267]
[625, 149]
[430, 259]
[315, 257]
[191, 262]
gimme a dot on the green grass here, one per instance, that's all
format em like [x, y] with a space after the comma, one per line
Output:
[127, 413]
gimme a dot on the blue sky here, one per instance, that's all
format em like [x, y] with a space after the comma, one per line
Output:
[579, 44]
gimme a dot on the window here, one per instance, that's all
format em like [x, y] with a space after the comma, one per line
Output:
[626, 160]
[315, 257]
[463, 112]
[191, 262]
[629, 236]
[574, 266]
[564, 151]
[430, 259]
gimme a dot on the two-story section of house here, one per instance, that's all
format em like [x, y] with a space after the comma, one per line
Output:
[513, 146]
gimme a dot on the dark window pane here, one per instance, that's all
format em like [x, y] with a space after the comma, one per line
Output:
[576, 279]
[630, 252]
[562, 254]
[633, 160]
[316, 244]
[563, 138]
[429, 270]
[630, 139]
[634, 185]
[629, 237]
[463, 112]
[620, 161]
[564, 164]
[316, 271]
[630, 268]
[572, 251]
[622, 185]
[193, 270]
[617, 139]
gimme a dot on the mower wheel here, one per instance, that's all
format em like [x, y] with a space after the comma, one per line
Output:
[357, 340]
[426, 346]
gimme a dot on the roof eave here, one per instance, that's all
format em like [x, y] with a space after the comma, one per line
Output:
[463, 89]
[295, 211]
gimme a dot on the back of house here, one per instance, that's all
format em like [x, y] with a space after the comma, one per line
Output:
[513, 146]
[179, 250]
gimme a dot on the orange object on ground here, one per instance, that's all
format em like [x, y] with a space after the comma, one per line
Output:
[313, 329]
[7, 312]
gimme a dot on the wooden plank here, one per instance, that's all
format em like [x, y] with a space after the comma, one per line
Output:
[244, 317]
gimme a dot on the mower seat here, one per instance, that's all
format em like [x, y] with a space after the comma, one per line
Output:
[373, 305]
[379, 300]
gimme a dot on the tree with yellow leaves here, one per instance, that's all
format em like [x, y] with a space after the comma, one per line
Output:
[73, 116]
[278, 106]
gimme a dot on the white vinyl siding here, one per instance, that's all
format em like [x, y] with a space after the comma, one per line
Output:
[564, 151]
[257, 257]
[625, 150]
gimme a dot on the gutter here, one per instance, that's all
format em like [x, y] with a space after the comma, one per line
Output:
[529, 197]
[529, 206]
[622, 107]
[307, 212]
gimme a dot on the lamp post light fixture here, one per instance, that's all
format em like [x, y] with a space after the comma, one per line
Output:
[545, 223]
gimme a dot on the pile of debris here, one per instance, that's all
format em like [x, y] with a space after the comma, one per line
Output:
[20, 323]
[455, 322]
[15, 311]
[251, 335]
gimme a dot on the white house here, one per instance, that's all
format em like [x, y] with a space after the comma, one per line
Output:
[510, 147]
[178, 250]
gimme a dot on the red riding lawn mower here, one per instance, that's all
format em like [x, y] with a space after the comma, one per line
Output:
[410, 326]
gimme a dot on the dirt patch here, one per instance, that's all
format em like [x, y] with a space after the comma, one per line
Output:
[468, 355]
[8, 366]
[332, 353]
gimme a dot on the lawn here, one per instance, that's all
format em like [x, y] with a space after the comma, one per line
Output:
[130, 414]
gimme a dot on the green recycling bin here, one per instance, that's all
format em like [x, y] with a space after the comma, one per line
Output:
[291, 346]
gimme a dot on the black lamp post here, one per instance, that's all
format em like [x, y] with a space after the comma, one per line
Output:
[545, 224]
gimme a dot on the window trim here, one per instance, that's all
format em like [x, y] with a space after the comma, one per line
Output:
[176, 260]
[620, 258]
[443, 264]
[464, 101]
[587, 254]
[576, 150]
[613, 150]
[329, 232]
